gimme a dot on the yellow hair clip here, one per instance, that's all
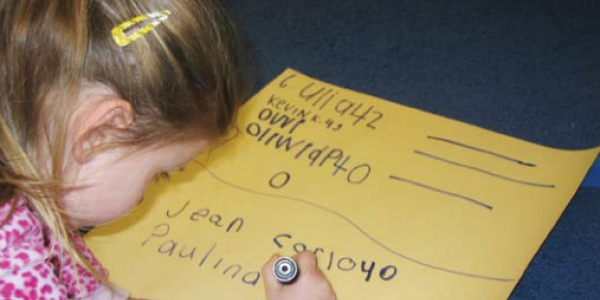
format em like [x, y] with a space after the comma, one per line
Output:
[123, 34]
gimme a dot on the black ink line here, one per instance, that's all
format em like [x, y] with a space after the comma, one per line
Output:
[358, 228]
[523, 163]
[454, 163]
[477, 202]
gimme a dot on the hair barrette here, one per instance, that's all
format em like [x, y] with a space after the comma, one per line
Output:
[133, 29]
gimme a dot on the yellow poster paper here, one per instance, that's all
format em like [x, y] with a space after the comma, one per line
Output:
[396, 203]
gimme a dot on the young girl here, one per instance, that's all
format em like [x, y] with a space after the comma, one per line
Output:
[98, 97]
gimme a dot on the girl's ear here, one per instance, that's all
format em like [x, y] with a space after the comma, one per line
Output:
[99, 125]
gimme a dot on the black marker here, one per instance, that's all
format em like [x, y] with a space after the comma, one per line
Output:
[285, 269]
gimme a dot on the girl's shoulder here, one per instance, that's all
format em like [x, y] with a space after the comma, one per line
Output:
[27, 250]
[20, 225]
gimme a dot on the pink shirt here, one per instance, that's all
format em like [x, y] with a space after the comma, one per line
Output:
[30, 270]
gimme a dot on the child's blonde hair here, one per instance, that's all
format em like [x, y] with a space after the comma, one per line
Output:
[183, 79]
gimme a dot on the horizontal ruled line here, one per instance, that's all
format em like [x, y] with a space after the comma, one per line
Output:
[438, 190]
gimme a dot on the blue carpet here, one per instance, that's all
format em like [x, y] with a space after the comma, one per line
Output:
[528, 69]
[593, 177]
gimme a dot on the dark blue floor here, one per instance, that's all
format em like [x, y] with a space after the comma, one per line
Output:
[529, 69]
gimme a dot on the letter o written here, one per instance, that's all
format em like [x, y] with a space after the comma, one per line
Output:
[280, 180]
